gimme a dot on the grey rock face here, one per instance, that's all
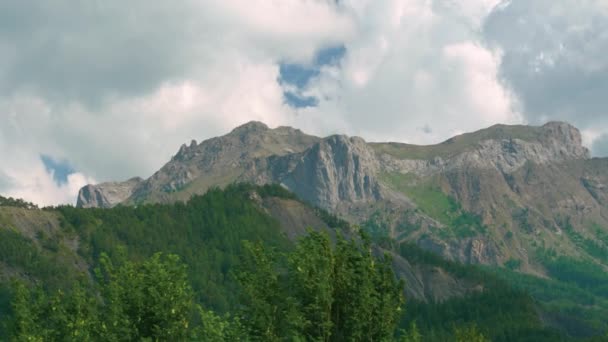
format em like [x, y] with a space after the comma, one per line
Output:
[552, 143]
[564, 140]
[106, 195]
[337, 169]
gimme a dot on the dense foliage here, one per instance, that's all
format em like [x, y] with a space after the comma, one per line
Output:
[318, 292]
[321, 292]
[17, 252]
[16, 202]
[575, 298]
[151, 300]
[575, 310]
[207, 233]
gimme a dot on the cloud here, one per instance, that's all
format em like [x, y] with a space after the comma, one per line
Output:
[295, 77]
[38, 186]
[114, 92]
[554, 58]
[413, 64]
[90, 51]
[27, 176]
[116, 141]
[108, 88]
[600, 145]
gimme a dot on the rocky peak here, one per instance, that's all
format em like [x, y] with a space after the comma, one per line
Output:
[186, 151]
[286, 130]
[221, 160]
[565, 140]
[250, 127]
[107, 195]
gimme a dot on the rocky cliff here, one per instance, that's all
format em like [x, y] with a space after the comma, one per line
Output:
[107, 195]
[333, 171]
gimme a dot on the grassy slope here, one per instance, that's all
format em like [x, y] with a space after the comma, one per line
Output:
[457, 144]
[434, 203]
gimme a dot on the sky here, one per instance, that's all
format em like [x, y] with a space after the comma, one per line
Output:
[100, 90]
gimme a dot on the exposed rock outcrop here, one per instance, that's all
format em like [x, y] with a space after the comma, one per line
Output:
[335, 170]
[552, 143]
[106, 195]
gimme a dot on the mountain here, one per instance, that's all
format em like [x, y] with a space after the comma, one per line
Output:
[525, 204]
[496, 196]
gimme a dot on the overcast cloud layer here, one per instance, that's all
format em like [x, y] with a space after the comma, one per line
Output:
[103, 90]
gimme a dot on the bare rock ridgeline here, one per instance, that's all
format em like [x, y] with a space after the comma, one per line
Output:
[326, 171]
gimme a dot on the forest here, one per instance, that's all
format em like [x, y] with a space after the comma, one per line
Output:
[219, 268]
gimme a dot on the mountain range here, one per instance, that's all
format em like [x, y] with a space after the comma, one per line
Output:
[505, 195]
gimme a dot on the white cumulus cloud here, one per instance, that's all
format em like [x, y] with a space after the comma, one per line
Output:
[114, 88]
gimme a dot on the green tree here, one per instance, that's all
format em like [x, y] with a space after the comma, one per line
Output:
[213, 328]
[62, 317]
[269, 313]
[368, 298]
[149, 301]
[311, 268]
[411, 335]
[469, 334]
[24, 326]
[152, 300]
[321, 292]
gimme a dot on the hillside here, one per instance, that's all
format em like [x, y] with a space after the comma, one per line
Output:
[56, 247]
[73, 238]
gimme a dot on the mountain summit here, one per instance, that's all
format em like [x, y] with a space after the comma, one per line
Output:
[460, 198]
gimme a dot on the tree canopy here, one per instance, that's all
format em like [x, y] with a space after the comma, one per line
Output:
[320, 291]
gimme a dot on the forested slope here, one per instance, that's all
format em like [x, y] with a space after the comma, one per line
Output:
[56, 248]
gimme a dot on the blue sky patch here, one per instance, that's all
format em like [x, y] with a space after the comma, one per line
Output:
[60, 169]
[330, 56]
[298, 75]
[297, 101]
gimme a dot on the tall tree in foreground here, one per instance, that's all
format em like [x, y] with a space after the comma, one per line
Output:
[469, 334]
[151, 300]
[138, 301]
[321, 292]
